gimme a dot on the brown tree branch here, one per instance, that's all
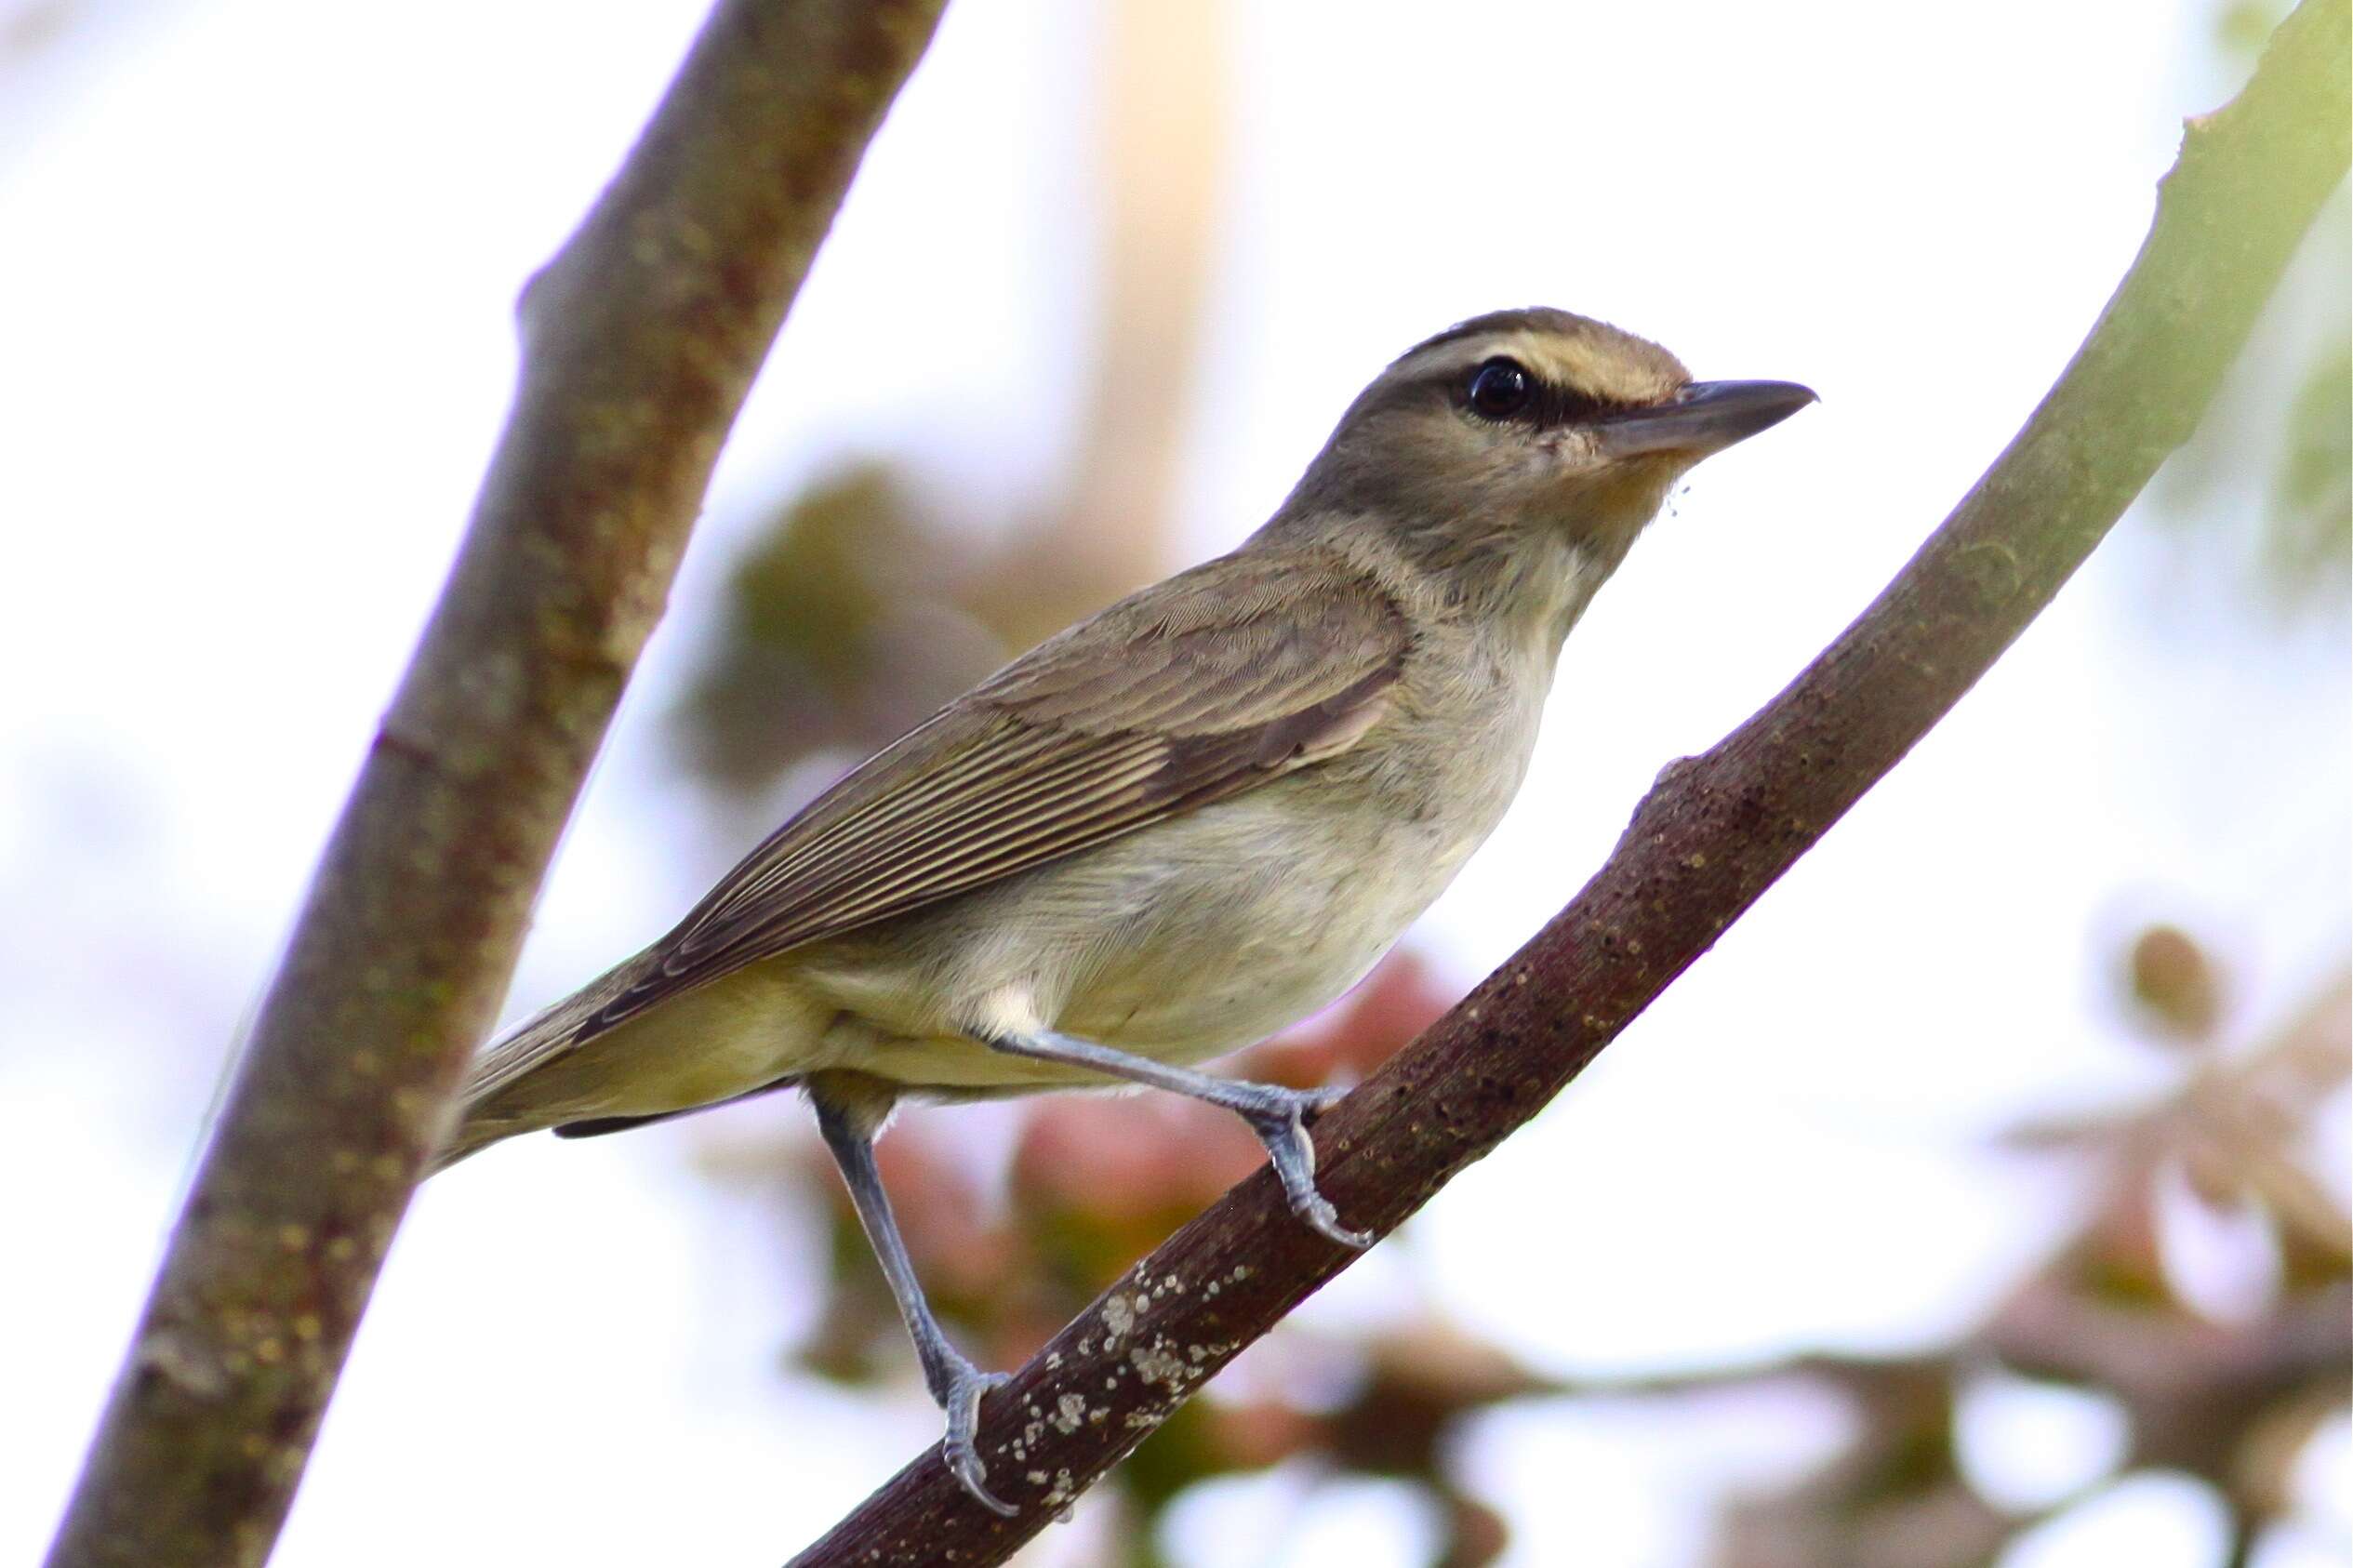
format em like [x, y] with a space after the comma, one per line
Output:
[640, 338]
[1712, 836]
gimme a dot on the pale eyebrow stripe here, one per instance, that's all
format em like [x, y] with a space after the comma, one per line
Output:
[1457, 356]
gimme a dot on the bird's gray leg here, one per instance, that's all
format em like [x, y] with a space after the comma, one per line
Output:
[1276, 1114]
[954, 1382]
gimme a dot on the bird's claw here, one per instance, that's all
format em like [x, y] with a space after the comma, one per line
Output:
[1316, 1210]
[1280, 1122]
[959, 1447]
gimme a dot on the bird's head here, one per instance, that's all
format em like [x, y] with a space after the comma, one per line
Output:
[1528, 431]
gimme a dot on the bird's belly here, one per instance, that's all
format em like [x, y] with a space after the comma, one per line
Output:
[1178, 946]
[1245, 964]
[1191, 937]
[1260, 923]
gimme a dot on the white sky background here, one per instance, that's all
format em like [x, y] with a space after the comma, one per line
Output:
[255, 343]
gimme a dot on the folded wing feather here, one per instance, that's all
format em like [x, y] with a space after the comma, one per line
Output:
[1187, 693]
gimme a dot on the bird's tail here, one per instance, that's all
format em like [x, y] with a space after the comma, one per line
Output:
[497, 1101]
[471, 1135]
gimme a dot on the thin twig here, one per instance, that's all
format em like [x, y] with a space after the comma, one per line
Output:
[640, 340]
[1713, 833]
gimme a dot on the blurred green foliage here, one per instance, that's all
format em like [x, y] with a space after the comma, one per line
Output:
[841, 630]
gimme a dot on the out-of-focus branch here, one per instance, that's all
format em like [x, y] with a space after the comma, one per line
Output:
[1163, 146]
[2231, 1125]
[1712, 835]
[640, 338]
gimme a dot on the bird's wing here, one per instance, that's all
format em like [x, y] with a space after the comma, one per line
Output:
[1184, 693]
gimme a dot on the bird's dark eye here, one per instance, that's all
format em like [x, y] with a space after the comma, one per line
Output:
[1500, 389]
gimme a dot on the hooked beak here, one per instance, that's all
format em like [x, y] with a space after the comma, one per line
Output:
[1703, 418]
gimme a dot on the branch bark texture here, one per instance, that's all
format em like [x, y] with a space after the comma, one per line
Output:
[640, 340]
[1710, 837]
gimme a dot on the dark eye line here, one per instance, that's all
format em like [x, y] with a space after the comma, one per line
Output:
[1563, 406]
[1549, 405]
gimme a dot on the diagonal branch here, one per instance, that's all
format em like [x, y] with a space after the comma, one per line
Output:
[1712, 835]
[640, 338]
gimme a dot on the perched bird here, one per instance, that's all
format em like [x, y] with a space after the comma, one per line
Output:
[1176, 828]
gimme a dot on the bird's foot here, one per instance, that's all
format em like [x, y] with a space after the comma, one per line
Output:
[1279, 1117]
[958, 1389]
